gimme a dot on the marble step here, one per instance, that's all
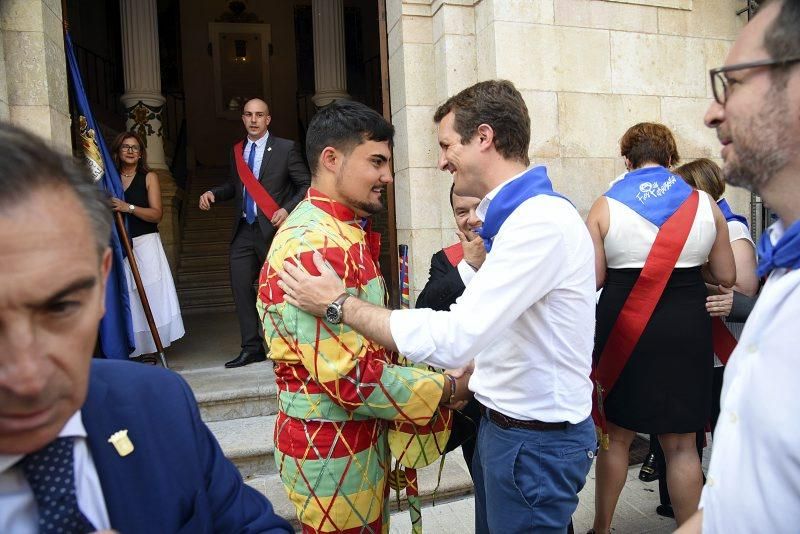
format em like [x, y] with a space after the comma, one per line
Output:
[224, 394]
[248, 442]
[455, 484]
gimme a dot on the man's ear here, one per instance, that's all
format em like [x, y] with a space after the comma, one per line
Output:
[329, 158]
[485, 135]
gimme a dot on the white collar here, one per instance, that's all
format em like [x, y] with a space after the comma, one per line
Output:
[261, 141]
[73, 428]
[483, 207]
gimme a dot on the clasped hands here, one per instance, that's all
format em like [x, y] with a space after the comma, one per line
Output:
[720, 305]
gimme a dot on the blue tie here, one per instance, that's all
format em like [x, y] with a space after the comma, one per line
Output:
[249, 209]
[51, 476]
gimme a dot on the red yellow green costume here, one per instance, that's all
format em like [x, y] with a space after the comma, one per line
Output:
[339, 395]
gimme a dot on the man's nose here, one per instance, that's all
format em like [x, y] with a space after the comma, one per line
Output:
[442, 161]
[24, 368]
[715, 114]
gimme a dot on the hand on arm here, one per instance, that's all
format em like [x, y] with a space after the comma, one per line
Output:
[720, 304]
[474, 250]
[313, 294]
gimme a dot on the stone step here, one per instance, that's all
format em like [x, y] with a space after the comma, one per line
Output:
[195, 235]
[204, 278]
[455, 484]
[189, 250]
[211, 262]
[217, 213]
[209, 223]
[200, 309]
[204, 296]
[224, 394]
[248, 442]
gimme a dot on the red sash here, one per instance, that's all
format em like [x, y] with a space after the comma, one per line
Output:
[639, 306]
[454, 253]
[263, 200]
[724, 342]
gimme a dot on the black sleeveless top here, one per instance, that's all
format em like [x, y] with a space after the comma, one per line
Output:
[136, 194]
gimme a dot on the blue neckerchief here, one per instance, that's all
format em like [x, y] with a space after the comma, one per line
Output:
[652, 192]
[785, 253]
[725, 208]
[534, 182]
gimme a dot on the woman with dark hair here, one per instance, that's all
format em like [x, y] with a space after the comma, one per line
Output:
[142, 208]
[652, 354]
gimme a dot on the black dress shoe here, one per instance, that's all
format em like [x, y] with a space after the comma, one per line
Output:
[245, 358]
[665, 510]
[649, 470]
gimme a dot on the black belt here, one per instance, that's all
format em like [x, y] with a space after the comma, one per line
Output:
[504, 421]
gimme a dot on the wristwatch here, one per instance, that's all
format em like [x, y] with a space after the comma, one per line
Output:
[334, 313]
[131, 207]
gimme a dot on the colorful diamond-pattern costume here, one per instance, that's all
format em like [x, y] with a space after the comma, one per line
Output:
[337, 390]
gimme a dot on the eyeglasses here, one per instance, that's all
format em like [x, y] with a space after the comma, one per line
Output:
[720, 84]
[250, 114]
[130, 148]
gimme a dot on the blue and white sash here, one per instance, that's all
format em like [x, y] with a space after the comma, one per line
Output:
[533, 183]
[652, 192]
[726, 210]
[785, 253]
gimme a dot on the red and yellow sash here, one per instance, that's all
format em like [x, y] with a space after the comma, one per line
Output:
[263, 200]
[639, 306]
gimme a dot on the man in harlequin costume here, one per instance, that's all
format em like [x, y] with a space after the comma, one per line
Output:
[338, 392]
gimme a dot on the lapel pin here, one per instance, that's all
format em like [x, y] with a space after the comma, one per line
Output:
[121, 442]
[269, 149]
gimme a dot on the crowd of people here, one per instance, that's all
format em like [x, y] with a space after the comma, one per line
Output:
[509, 331]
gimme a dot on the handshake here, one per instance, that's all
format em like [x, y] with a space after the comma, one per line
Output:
[456, 392]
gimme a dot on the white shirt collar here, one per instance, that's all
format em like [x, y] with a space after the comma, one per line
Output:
[483, 207]
[73, 428]
[260, 142]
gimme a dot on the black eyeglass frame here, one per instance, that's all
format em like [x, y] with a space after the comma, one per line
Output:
[719, 71]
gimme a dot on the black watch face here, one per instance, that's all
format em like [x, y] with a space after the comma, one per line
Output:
[333, 314]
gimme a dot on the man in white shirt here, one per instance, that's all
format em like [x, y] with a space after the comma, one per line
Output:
[753, 483]
[88, 444]
[526, 318]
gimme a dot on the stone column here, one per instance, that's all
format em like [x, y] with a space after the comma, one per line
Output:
[330, 69]
[144, 105]
[33, 70]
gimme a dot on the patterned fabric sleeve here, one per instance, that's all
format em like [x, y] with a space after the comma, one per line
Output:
[342, 365]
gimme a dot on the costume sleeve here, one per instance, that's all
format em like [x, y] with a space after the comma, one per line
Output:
[234, 506]
[444, 285]
[342, 364]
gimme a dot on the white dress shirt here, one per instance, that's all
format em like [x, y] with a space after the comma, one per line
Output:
[753, 482]
[259, 145]
[18, 511]
[526, 317]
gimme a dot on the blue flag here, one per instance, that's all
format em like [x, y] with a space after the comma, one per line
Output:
[116, 328]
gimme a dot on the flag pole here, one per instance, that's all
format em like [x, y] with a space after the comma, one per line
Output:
[140, 287]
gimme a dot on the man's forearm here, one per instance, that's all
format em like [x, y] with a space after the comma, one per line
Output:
[370, 321]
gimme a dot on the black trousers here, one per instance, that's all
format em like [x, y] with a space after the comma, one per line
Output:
[247, 254]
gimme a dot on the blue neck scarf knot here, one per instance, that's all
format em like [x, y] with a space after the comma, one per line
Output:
[783, 254]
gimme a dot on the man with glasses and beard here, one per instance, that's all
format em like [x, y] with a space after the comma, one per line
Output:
[753, 479]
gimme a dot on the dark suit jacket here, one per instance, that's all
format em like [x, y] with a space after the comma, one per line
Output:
[444, 285]
[176, 479]
[283, 174]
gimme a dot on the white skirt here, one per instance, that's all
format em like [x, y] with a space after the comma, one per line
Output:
[161, 294]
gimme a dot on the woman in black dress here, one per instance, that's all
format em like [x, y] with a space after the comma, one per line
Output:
[664, 387]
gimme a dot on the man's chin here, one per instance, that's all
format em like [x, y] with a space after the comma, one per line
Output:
[31, 440]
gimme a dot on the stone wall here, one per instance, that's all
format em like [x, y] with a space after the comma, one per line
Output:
[33, 76]
[588, 69]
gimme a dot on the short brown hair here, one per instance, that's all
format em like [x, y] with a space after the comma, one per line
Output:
[498, 104]
[649, 142]
[141, 165]
[705, 175]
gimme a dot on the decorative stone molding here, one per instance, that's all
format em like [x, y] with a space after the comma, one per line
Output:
[685, 5]
[145, 120]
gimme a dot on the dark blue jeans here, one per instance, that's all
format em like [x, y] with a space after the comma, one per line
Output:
[528, 480]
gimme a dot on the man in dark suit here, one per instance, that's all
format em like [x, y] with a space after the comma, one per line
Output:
[84, 445]
[444, 286]
[278, 166]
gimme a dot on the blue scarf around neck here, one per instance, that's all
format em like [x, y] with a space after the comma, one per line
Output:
[785, 253]
[652, 192]
[532, 183]
[726, 210]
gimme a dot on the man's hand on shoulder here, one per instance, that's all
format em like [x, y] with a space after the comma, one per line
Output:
[310, 293]
[474, 251]
[206, 199]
